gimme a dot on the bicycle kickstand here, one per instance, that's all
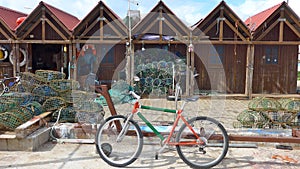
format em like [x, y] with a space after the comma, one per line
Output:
[160, 151]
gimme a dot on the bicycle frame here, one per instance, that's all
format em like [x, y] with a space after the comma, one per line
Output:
[179, 116]
[7, 83]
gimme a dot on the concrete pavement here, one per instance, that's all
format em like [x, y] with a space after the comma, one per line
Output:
[84, 156]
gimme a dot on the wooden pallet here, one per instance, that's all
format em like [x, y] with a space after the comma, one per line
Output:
[32, 125]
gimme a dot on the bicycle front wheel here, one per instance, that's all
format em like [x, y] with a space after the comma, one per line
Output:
[119, 150]
[207, 154]
[2, 88]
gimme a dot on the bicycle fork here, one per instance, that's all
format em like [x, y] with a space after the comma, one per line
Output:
[124, 129]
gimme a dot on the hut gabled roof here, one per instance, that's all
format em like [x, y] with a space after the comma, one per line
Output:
[210, 25]
[161, 21]
[256, 20]
[67, 19]
[9, 17]
[262, 23]
[101, 22]
[45, 18]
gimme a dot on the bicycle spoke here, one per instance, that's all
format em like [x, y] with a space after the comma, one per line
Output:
[115, 151]
[214, 141]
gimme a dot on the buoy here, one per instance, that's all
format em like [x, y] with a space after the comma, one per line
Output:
[20, 20]
[3, 53]
[24, 53]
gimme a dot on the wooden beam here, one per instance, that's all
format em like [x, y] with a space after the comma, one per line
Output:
[172, 27]
[296, 20]
[249, 71]
[235, 30]
[187, 80]
[235, 19]
[113, 28]
[281, 26]
[101, 41]
[271, 139]
[56, 30]
[276, 43]
[116, 20]
[5, 34]
[101, 26]
[221, 29]
[209, 27]
[43, 24]
[160, 27]
[208, 18]
[148, 28]
[292, 28]
[32, 125]
[17, 57]
[30, 29]
[44, 41]
[267, 31]
[8, 29]
[7, 41]
[14, 60]
[89, 28]
[145, 21]
[180, 24]
[221, 42]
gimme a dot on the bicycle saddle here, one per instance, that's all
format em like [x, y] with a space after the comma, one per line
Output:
[192, 99]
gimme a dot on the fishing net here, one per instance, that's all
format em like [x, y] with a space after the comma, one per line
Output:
[53, 104]
[9, 121]
[264, 104]
[250, 118]
[49, 75]
[64, 85]
[119, 93]
[67, 114]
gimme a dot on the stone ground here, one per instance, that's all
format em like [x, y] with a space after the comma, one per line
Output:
[84, 156]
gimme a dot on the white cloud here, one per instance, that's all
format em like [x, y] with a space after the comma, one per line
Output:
[189, 11]
[252, 7]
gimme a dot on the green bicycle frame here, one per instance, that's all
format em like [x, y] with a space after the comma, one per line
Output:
[157, 133]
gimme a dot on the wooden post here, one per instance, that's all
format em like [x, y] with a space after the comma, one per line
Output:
[249, 70]
[101, 23]
[17, 57]
[43, 24]
[14, 59]
[70, 61]
[221, 24]
[192, 71]
[188, 73]
[281, 27]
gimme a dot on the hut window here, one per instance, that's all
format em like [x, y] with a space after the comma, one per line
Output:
[107, 54]
[271, 55]
[216, 56]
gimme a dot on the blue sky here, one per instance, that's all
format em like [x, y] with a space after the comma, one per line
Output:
[189, 11]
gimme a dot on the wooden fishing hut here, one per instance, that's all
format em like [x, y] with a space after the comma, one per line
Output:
[9, 20]
[104, 32]
[162, 36]
[45, 35]
[276, 40]
[221, 41]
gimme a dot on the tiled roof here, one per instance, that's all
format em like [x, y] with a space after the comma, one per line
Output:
[255, 21]
[10, 17]
[67, 19]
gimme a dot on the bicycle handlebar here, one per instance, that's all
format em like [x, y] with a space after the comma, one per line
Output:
[134, 95]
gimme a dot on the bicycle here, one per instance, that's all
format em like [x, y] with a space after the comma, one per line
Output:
[7, 83]
[201, 142]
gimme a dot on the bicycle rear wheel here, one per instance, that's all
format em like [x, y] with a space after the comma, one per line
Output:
[203, 155]
[122, 152]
